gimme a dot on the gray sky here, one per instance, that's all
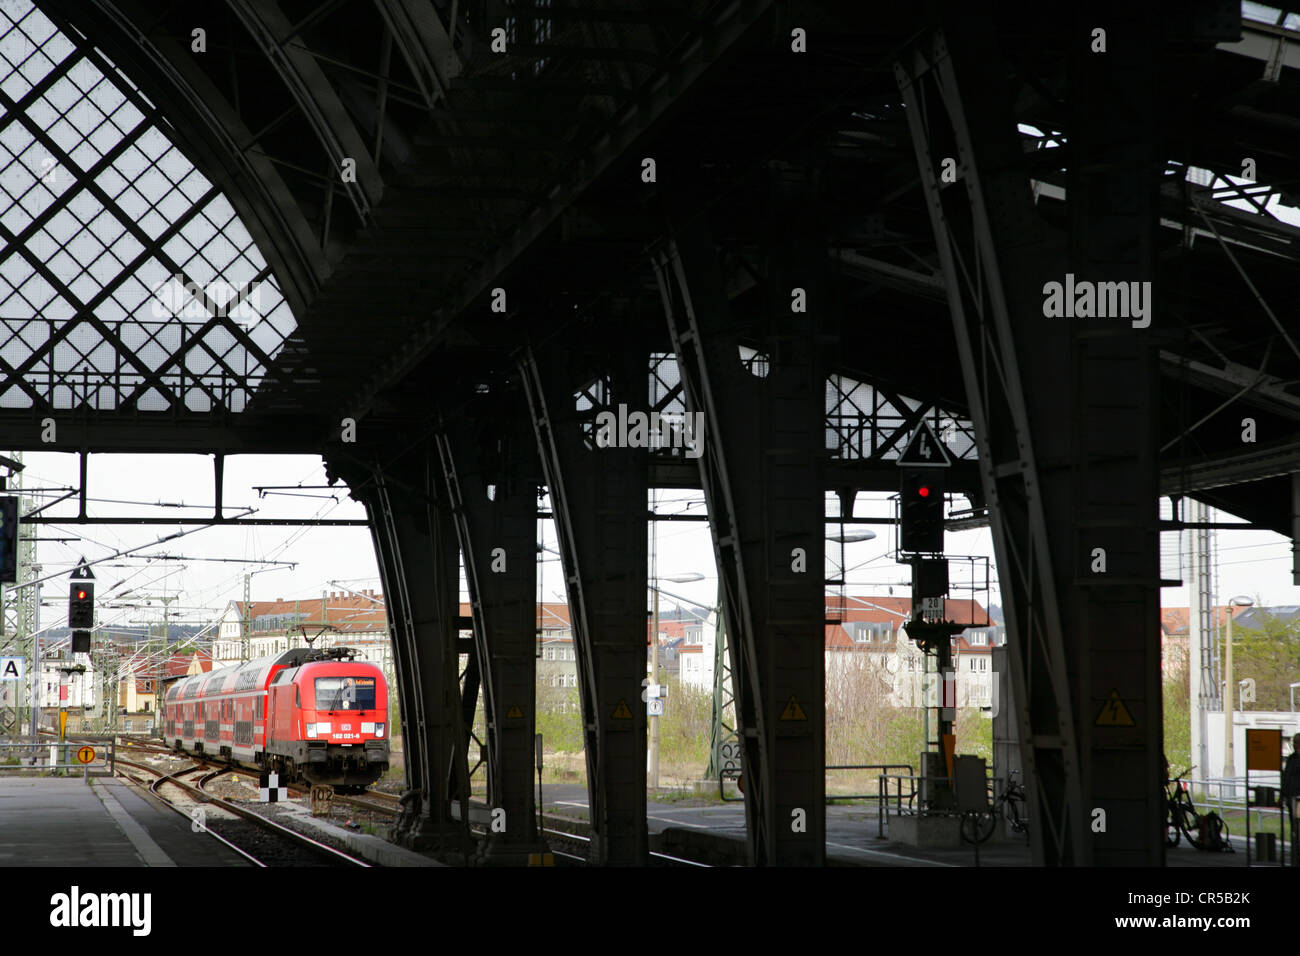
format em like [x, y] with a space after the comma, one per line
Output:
[1252, 563]
[322, 554]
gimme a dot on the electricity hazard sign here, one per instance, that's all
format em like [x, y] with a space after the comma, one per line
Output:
[792, 710]
[11, 668]
[1114, 713]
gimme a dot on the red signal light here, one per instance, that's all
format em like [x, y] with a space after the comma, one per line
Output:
[923, 491]
[81, 595]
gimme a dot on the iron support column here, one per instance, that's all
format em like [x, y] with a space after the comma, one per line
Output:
[492, 478]
[598, 497]
[1063, 409]
[761, 471]
[416, 550]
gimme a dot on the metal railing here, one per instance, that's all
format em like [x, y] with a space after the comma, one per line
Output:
[732, 773]
[883, 768]
[1229, 793]
[883, 797]
[44, 755]
[908, 786]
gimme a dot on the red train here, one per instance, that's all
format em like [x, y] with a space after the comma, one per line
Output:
[316, 714]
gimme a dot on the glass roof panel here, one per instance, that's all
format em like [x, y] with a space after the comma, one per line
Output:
[126, 277]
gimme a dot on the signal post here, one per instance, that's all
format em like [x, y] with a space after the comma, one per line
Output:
[923, 473]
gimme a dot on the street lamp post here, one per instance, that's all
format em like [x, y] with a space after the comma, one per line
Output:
[654, 668]
[1229, 760]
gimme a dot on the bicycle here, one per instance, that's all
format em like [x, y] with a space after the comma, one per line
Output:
[1180, 813]
[1208, 832]
[978, 826]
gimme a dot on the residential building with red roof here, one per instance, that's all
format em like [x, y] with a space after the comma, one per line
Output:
[356, 619]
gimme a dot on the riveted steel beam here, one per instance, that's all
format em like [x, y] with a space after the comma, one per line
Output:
[489, 462]
[598, 497]
[416, 550]
[762, 477]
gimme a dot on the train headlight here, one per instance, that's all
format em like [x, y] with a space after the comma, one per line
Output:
[379, 730]
[311, 730]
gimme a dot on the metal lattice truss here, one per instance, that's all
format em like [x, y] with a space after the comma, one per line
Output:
[1204, 203]
[127, 280]
[864, 421]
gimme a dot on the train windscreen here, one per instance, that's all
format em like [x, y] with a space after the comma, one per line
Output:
[345, 693]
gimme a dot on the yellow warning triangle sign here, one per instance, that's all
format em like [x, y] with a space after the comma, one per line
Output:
[792, 710]
[514, 712]
[1114, 713]
[621, 712]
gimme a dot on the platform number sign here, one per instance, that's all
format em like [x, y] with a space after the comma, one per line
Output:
[924, 451]
[8, 540]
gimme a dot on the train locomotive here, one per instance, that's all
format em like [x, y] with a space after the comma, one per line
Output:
[318, 715]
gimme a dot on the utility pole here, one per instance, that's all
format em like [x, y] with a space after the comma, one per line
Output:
[19, 608]
[654, 679]
[162, 658]
[1229, 761]
[247, 623]
[1200, 637]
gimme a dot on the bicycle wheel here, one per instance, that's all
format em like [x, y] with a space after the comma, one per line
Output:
[1172, 835]
[1189, 821]
[977, 826]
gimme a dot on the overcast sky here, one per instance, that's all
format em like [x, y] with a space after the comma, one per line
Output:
[118, 483]
[1256, 564]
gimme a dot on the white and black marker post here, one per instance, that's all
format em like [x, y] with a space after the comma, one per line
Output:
[269, 789]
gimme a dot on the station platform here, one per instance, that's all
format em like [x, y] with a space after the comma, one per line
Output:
[68, 822]
[106, 822]
[714, 833]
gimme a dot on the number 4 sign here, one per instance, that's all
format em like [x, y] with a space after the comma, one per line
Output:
[924, 450]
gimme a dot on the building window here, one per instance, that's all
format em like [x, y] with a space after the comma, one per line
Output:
[979, 638]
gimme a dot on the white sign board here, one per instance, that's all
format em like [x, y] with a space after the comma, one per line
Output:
[11, 668]
[654, 707]
[932, 605]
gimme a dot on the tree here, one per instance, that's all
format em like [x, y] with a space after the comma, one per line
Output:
[1270, 654]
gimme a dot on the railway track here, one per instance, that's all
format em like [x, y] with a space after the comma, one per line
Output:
[577, 842]
[253, 836]
[569, 848]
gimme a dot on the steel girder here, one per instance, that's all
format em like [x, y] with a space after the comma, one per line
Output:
[762, 477]
[1056, 493]
[492, 481]
[425, 43]
[693, 58]
[598, 499]
[415, 547]
[315, 97]
[1107, 496]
